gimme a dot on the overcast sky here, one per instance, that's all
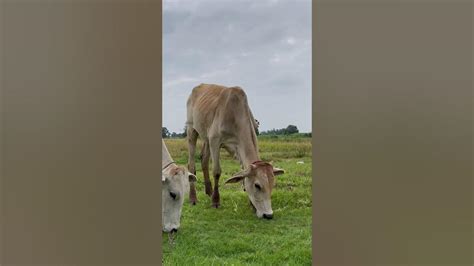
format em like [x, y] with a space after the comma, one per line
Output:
[263, 46]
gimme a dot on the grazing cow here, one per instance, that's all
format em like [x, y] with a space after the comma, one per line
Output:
[175, 182]
[222, 118]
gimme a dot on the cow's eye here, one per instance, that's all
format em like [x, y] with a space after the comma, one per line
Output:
[257, 186]
[173, 195]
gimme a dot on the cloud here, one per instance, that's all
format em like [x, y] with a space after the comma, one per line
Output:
[262, 46]
[180, 81]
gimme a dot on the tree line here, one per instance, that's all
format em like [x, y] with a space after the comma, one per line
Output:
[165, 133]
[290, 129]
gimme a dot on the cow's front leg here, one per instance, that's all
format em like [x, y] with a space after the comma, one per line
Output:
[205, 153]
[216, 200]
[216, 170]
[192, 139]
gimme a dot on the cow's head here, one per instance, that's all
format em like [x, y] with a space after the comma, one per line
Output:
[175, 182]
[259, 179]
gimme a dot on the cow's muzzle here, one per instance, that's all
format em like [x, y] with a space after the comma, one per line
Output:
[268, 216]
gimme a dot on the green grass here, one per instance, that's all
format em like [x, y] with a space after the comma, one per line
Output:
[232, 234]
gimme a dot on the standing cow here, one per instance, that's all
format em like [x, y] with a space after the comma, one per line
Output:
[222, 118]
[175, 182]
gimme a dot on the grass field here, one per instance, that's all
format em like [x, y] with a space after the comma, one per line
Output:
[232, 234]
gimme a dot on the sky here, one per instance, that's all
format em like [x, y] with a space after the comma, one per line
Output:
[262, 46]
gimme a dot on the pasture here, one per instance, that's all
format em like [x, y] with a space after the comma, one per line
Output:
[232, 234]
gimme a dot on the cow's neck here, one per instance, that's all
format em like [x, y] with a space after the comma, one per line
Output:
[246, 158]
[248, 152]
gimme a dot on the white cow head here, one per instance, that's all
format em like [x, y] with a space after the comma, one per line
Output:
[175, 182]
[259, 179]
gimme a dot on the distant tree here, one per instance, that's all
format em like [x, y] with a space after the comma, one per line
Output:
[185, 133]
[291, 129]
[165, 133]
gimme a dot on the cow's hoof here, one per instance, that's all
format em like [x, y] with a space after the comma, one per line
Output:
[193, 202]
[216, 205]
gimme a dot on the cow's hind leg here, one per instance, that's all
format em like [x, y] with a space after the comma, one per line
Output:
[205, 154]
[192, 139]
[216, 170]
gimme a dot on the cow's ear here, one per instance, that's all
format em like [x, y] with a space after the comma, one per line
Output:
[240, 175]
[163, 177]
[235, 179]
[278, 171]
[192, 178]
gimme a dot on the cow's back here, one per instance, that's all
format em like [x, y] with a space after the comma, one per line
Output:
[217, 108]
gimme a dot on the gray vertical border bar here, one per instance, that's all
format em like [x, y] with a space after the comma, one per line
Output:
[93, 195]
[392, 132]
[2, 16]
[160, 121]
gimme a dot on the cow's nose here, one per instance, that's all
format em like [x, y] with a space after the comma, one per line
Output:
[268, 216]
[173, 195]
[174, 230]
